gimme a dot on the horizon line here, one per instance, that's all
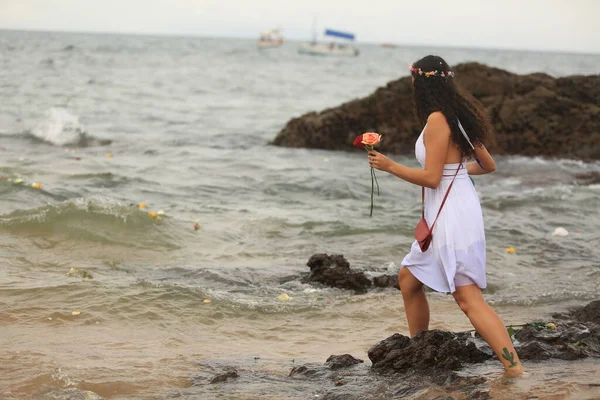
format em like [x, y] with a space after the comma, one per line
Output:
[293, 39]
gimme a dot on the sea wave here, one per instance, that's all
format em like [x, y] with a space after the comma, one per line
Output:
[96, 219]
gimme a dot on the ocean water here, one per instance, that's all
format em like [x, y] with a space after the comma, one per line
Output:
[107, 122]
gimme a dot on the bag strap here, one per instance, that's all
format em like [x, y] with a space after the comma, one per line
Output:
[443, 201]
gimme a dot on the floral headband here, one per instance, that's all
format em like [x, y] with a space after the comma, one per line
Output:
[443, 74]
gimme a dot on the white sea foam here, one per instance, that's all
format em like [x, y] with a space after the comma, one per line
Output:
[59, 127]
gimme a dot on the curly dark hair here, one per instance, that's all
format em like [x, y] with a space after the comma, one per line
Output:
[439, 93]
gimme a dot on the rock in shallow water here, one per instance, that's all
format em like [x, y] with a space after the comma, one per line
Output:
[384, 281]
[333, 363]
[229, 373]
[335, 271]
[343, 361]
[428, 350]
[570, 341]
[588, 313]
[589, 178]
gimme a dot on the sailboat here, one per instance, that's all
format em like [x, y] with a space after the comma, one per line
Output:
[269, 39]
[333, 47]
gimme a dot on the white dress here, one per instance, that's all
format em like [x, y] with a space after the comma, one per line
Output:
[456, 256]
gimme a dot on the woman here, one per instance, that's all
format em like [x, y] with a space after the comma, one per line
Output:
[455, 128]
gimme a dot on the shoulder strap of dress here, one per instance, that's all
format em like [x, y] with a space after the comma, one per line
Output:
[462, 130]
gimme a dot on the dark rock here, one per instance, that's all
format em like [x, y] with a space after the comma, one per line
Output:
[535, 351]
[343, 361]
[333, 363]
[303, 370]
[570, 341]
[590, 178]
[230, 373]
[311, 371]
[533, 115]
[573, 333]
[570, 352]
[319, 263]
[427, 351]
[561, 315]
[380, 351]
[385, 281]
[335, 271]
[529, 333]
[588, 313]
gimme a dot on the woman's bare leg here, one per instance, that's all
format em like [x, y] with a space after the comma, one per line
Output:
[489, 326]
[415, 302]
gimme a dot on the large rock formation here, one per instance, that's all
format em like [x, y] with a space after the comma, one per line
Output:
[532, 115]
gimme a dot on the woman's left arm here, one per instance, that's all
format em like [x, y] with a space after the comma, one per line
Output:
[437, 138]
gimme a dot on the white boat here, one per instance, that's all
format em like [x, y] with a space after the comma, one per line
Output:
[332, 48]
[269, 39]
[328, 49]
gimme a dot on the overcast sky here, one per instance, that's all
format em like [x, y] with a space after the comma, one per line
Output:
[566, 25]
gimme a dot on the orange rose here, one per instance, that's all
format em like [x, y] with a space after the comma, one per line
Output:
[371, 139]
[368, 141]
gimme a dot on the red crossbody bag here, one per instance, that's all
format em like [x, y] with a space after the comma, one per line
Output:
[423, 233]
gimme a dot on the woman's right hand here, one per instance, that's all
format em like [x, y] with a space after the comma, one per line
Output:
[379, 161]
[486, 163]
